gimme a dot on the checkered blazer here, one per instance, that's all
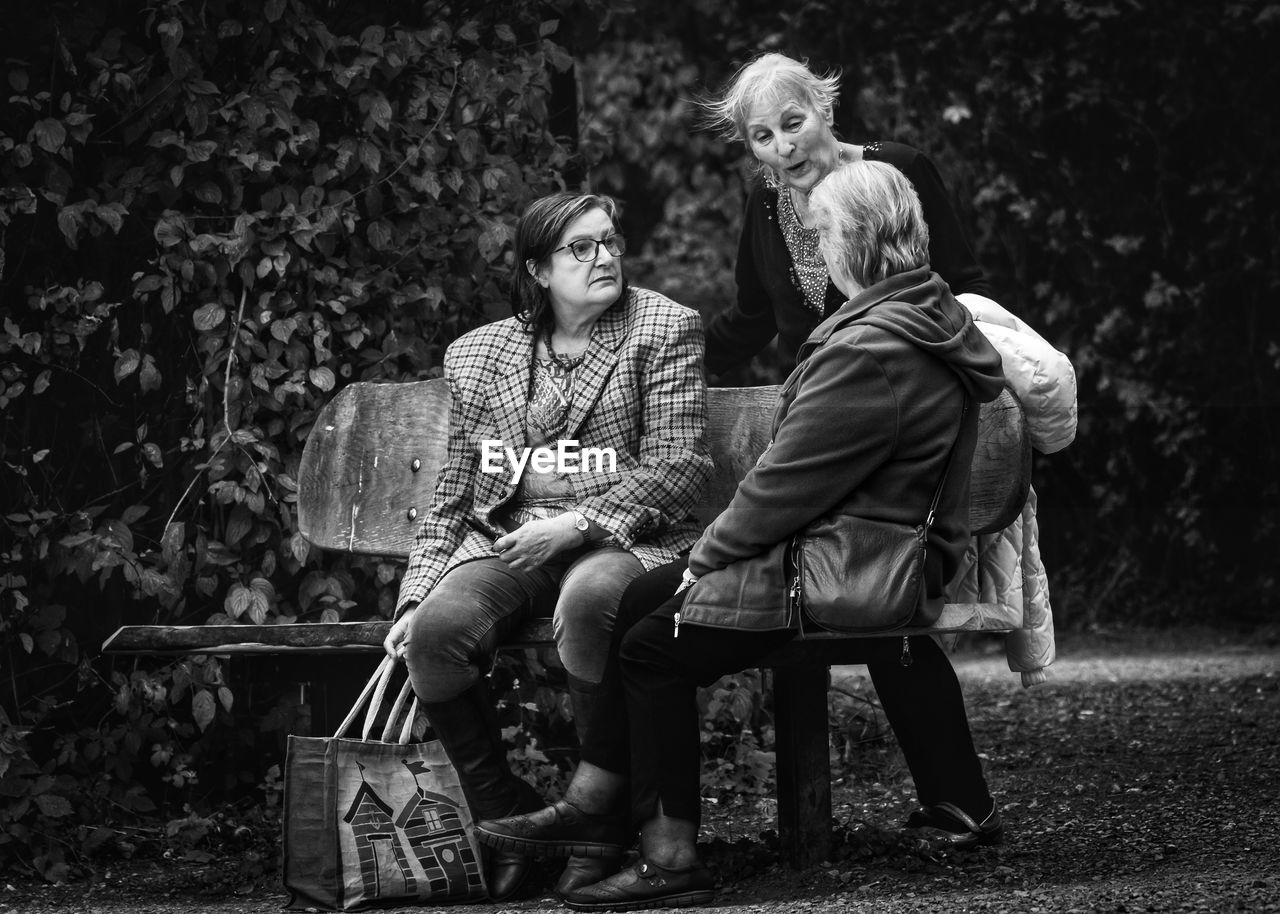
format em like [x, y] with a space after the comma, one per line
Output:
[639, 391]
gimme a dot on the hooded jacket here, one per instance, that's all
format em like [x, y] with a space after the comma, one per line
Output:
[863, 426]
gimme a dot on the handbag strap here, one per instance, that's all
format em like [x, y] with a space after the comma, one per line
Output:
[946, 469]
[371, 699]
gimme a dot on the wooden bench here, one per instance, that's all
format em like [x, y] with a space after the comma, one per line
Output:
[368, 472]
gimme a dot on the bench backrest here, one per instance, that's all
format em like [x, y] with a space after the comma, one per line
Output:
[370, 463]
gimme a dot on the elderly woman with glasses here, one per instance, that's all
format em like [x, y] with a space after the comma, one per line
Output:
[575, 460]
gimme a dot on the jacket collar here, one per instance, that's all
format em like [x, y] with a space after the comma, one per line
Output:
[598, 363]
[860, 304]
[508, 395]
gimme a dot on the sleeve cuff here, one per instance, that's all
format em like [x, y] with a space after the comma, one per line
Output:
[1034, 677]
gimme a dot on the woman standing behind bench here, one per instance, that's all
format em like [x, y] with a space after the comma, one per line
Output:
[885, 396]
[585, 359]
[784, 114]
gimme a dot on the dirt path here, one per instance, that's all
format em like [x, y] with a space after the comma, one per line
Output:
[1145, 776]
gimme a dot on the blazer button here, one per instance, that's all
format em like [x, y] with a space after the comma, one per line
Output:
[415, 465]
[412, 514]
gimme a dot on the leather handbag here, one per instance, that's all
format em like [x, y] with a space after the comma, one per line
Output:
[856, 575]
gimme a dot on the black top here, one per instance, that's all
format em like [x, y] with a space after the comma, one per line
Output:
[769, 302]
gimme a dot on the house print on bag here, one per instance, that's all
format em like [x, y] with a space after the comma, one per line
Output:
[433, 827]
[378, 845]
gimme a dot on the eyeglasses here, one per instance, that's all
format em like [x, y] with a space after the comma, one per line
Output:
[588, 249]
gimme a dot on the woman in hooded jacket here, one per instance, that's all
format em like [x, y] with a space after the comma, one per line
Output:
[885, 394]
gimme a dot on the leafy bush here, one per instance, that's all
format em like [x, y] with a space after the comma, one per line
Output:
[211, 217]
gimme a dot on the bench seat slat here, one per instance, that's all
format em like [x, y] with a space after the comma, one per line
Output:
[366, 637]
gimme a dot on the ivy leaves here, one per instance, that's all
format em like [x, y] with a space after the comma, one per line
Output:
[209, 222]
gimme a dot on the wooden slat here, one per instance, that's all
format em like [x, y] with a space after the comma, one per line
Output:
[1001, 469]
[298, 638]
[739, 422]
[325, 637]
[358, 482]
[358, 485]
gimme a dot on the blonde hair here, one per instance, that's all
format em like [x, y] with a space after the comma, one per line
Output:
[870, 222]
[770, 78]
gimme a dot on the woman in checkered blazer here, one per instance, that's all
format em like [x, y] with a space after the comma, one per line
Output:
[575, 460]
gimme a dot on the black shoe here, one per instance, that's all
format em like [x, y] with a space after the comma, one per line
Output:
[945, 826]
[580, 872]
[559, 830]
[507, 870]
[505, 874]
[646, 885]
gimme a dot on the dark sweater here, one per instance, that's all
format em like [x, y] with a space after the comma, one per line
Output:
[770, 304]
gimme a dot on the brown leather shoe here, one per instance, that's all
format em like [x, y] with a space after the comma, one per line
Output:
[559, 830]
[583, 871]
[646, 885]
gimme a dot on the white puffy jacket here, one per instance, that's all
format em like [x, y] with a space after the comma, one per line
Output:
[1005, 567]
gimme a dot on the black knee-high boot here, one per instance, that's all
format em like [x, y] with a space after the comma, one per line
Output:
[583, 871]
[467, 727]
[582, 698]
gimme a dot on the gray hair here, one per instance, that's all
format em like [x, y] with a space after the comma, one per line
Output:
[870, 222]
[769, 79]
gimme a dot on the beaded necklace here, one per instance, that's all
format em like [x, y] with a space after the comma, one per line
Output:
[552, 392]
[566, 362]
[808, 269]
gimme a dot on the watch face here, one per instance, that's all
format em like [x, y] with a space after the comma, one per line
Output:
[581, 523]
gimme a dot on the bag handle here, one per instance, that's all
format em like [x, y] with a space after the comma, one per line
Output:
[946, 469]
[371, 699]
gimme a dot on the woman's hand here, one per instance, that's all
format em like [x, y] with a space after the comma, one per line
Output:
[394, 644]
[534, 544]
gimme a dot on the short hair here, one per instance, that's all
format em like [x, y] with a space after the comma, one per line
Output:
[769, 78]
[537, 235]
[870, 222]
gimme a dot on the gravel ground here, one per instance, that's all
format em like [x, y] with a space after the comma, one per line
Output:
[1145, 776]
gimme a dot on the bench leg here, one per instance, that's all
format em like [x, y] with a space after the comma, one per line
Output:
[803, 764]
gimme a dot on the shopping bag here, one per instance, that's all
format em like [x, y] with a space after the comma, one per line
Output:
[374, 823]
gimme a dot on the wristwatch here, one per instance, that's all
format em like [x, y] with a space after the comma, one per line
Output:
[581, 524]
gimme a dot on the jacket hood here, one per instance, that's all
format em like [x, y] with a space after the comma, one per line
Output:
[918, 307]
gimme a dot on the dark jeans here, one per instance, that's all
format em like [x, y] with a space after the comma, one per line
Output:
[646, 721]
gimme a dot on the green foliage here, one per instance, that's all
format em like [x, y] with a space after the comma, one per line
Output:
[737, 737]
[211, 217]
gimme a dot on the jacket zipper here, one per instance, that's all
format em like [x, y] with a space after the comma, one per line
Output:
[795, 611]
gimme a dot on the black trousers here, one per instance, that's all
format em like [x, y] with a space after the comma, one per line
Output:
[646, 725]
